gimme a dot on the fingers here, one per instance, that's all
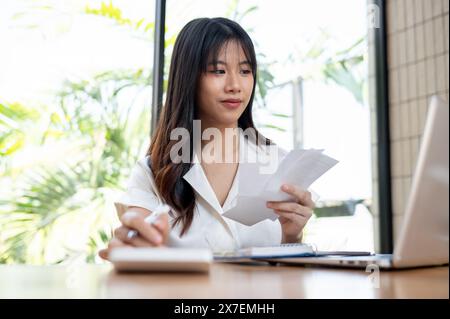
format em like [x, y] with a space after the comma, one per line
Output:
[291, 207]
[289, 216]
[113, 243]
[303, 197]
[162, 225]
[122, 234]
[103, 253]
[148, 232]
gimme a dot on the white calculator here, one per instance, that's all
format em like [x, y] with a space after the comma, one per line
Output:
[161, 259]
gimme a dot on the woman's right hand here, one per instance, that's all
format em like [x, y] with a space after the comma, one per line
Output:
[149, 235]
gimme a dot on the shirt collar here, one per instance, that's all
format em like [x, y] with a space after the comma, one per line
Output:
[197, 179]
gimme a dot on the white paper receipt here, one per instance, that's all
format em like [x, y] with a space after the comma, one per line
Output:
[299, 167]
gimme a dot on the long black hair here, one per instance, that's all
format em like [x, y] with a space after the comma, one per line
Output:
[198, 43]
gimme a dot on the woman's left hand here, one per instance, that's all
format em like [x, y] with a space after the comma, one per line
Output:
[293, 215]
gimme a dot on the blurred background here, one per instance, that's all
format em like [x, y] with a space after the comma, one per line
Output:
[75, 112]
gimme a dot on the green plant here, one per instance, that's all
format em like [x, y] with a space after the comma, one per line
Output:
[106, 136]
[12, 117]
[343, 67]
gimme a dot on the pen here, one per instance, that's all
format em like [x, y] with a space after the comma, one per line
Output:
[151, 219]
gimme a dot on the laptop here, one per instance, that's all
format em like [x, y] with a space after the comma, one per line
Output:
[423, 239]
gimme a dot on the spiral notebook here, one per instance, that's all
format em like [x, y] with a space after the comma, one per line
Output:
[279, 251]
[282, 251]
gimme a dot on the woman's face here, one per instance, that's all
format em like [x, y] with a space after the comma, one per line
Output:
[225, 89]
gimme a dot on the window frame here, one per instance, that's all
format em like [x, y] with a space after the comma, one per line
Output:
[381, 88]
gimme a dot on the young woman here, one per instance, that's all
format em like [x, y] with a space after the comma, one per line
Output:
[212, 79]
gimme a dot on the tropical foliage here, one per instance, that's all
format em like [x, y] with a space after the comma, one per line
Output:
[104, 137]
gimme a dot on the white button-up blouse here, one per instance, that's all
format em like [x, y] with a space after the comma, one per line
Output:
[209, 227]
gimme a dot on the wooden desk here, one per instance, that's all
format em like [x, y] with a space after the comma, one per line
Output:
[224, 281]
